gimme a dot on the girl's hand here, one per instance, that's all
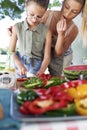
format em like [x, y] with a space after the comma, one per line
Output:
[61, 26]
[22, 70]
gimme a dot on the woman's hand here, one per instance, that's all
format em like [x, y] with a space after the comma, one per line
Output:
[61, 26]
[38, 73]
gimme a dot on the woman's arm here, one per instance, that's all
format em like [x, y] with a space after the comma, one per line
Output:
[64, 41]
[47, 52]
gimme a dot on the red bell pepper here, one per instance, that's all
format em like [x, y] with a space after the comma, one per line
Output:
[73, 83]
[24, 110]
[45, 78]
[34, 108]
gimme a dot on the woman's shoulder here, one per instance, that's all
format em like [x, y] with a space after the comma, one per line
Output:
[72, 27]
[54, 13]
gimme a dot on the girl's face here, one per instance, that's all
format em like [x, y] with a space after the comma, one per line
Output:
[34, 13]
[70, 9]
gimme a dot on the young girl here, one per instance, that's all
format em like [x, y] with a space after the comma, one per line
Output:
[34, 40]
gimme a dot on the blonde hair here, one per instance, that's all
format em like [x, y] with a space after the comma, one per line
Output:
[84, 24]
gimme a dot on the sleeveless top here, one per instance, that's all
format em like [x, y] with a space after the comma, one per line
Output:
[31, 42]
[69, 50]
[54, 37]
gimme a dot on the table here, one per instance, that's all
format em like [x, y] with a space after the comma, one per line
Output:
[11, 124]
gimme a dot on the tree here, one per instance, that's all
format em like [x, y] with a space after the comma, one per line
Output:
[14, 8]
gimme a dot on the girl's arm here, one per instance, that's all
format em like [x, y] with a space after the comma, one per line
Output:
[12, 47]
[47, 52]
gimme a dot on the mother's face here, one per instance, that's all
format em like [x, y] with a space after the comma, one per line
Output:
[70, 9]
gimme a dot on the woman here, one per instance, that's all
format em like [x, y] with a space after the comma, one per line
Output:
[64, 32]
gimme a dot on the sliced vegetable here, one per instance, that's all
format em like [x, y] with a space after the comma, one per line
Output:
[35, 107]
[66, 111]
[33, 82]
[21, 79]
[54, 81]
[45, 76]
[81, 106]
[81, 91]
[73, 83]
[24, 110]
[29, 95]
[72, 92]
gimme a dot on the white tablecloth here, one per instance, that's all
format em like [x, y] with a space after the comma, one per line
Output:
[68, 125]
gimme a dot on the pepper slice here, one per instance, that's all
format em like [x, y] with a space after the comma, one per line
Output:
[66, 111]
[28, 95]
[34, 108]
[73, 83]
[81, 106]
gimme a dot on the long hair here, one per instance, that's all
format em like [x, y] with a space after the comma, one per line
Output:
[84, 24]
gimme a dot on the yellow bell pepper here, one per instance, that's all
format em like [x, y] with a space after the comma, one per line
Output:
[81, 91]
[79, 94]
[72, 92]
[81, 106]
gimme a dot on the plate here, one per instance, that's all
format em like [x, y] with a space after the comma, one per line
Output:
[15, 114]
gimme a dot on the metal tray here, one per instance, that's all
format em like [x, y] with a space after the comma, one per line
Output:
[15, 114]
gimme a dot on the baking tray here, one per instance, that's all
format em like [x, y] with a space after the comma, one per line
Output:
[15, 114]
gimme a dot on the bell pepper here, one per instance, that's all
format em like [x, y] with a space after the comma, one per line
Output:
[73, 83]
[72, 92]
[35, 107]
[81, 91]
[78, 92]
[33, 82]
[81, 106]
[23, 110]
[28, 95]
[66, 111]
[54, 81]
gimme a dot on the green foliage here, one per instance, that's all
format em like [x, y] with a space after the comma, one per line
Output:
[55, 3]
[11, 8]
[14, 8]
